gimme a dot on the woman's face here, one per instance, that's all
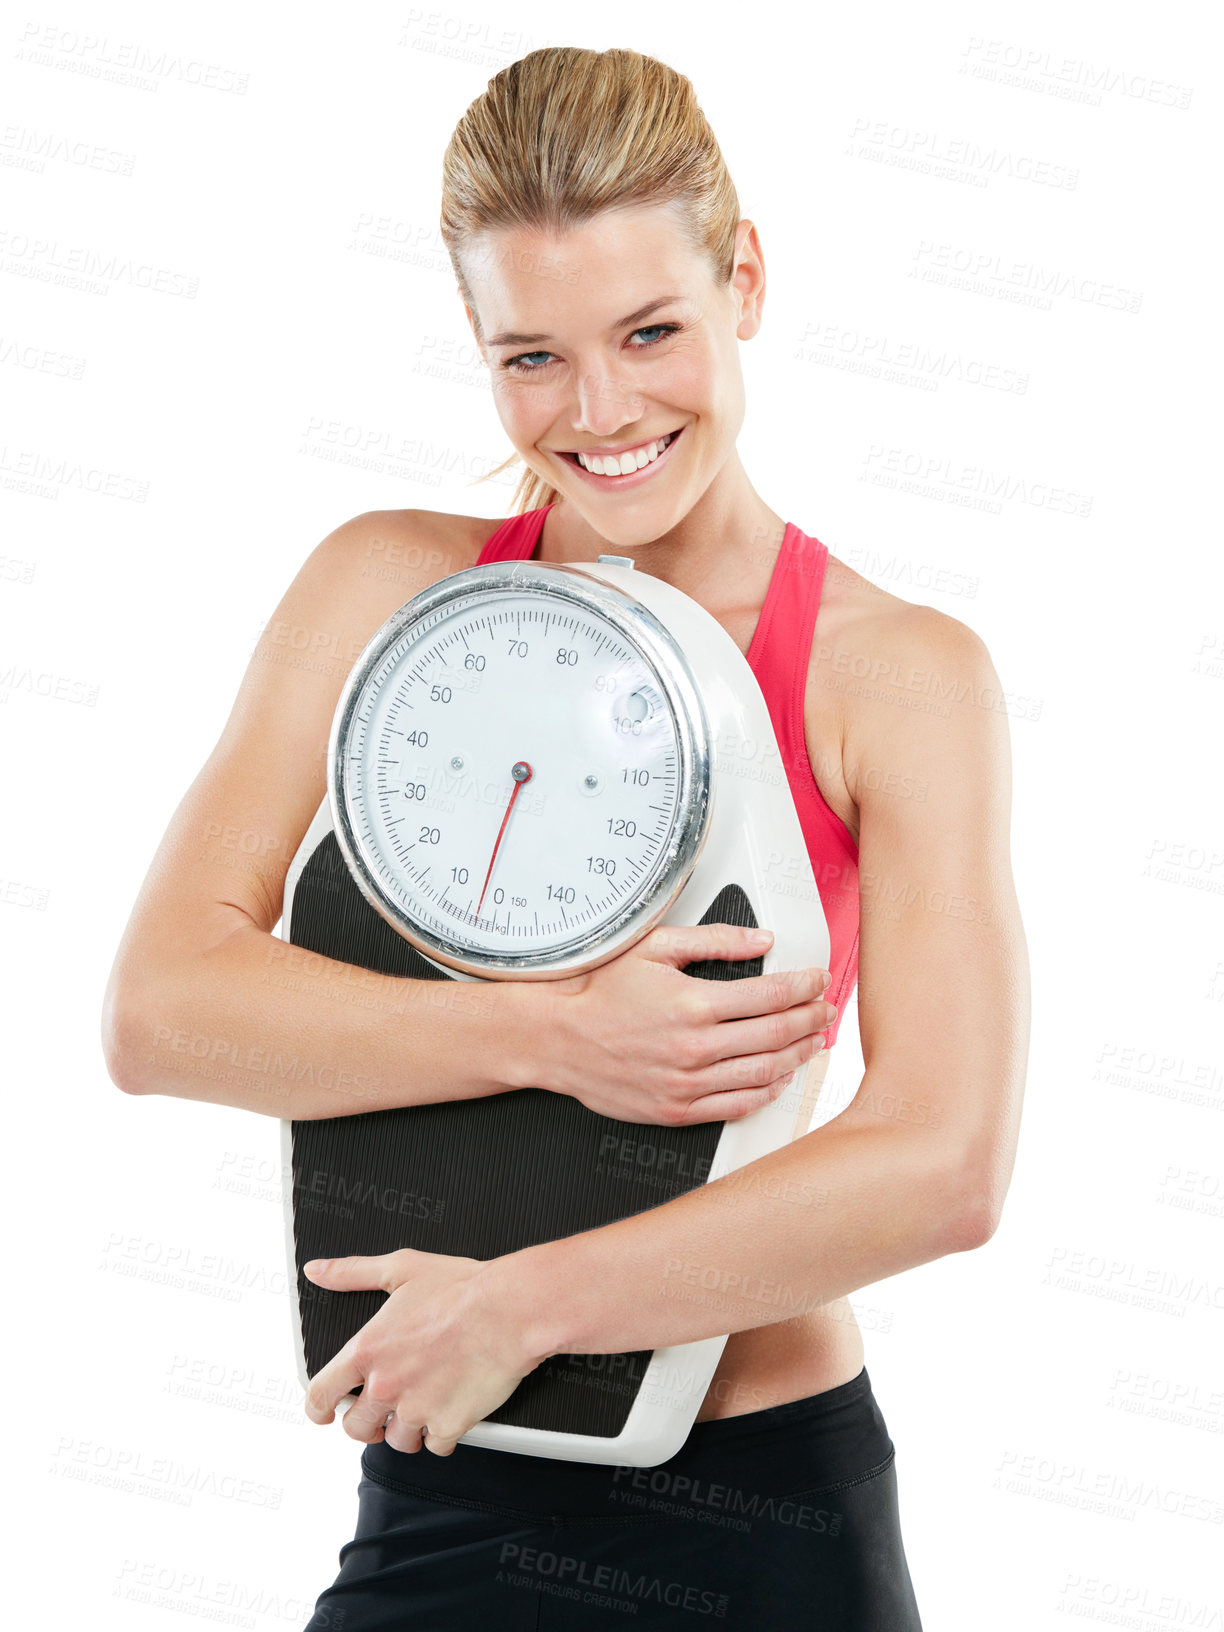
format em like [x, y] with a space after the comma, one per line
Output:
[611, 338]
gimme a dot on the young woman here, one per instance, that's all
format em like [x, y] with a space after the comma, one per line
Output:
[609, 279]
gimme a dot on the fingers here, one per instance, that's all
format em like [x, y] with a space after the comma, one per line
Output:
[732, 1089]
[384, 1271]
[743, 1049]
[439, 1445]
[404, 1437]
[401, 1438]
[374, 1415]
[679, 944]
[338, 1377]
[763, 994]
[369, 1414]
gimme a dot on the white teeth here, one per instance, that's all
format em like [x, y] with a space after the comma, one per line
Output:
[622, 464]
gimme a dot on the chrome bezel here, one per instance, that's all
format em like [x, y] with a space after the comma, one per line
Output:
[661, 652]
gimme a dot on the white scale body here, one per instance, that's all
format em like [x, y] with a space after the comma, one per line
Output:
[740, 826]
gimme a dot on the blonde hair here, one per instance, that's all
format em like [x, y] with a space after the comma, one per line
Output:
[566, 132]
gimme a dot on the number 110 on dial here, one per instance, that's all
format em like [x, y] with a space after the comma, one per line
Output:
[516, 768]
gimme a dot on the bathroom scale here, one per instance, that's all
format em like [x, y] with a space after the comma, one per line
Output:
[530, 766]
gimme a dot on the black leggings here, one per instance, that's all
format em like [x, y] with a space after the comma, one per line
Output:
[778, 1520]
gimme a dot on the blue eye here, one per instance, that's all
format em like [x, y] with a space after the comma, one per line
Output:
[519, 365]
[663, 328]
[518, 362]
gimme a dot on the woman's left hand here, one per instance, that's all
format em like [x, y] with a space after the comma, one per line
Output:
[440, 1354]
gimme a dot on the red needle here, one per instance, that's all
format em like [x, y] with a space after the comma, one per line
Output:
[521, 773]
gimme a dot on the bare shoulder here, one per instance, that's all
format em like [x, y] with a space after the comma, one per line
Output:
[350, 584]
[255, 795]
[383, 557]
[886, 677]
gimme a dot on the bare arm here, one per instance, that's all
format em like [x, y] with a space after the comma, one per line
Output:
[918, 1164]
[204, 1001]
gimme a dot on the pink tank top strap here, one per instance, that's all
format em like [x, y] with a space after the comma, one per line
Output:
[779, 656]
[779, 653]
[516, 538]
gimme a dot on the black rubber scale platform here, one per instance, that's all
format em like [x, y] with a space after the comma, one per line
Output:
[476, 1177]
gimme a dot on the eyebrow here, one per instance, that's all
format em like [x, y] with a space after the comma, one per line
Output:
[508, 338]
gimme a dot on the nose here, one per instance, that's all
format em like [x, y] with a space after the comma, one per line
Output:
[607, 400]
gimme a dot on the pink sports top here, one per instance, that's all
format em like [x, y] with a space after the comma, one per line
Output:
[778, 656]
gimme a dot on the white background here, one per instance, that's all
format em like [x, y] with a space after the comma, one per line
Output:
[1057, 1397]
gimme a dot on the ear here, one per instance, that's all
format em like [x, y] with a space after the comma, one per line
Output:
[748, 279]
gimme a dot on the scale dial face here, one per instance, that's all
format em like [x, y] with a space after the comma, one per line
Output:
[519, 770]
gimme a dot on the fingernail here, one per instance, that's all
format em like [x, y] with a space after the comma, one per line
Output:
[316, 1266]
[760, 937]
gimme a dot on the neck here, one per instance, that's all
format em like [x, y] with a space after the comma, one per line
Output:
[727, 542]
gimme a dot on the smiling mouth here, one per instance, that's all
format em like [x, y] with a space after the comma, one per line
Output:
[661, 443]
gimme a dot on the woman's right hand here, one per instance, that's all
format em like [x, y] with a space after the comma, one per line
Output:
[639, 1040]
